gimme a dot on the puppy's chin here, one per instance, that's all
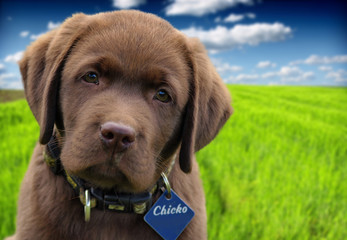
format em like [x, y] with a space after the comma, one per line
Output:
[114, 177]
[105, 177]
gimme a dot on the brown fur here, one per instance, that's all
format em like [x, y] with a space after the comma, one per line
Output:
[135, 54]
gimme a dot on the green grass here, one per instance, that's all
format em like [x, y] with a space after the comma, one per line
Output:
[277, 170]
[18, 135]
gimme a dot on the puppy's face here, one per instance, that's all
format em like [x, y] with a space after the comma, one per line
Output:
[122, 99]
[125, 90]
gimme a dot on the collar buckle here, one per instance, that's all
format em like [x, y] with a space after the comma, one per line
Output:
[122, 202]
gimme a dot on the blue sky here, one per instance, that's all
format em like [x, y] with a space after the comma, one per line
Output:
[268, 42]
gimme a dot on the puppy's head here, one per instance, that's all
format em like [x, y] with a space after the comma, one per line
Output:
[125, 91]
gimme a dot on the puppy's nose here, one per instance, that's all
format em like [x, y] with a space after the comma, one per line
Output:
[117, 136]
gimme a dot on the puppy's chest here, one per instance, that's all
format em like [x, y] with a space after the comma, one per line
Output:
[116, 227]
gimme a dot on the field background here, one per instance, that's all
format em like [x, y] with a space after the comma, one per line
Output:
[277, 170]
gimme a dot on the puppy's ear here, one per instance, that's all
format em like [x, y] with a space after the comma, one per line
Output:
[208, 107]
[41, 68]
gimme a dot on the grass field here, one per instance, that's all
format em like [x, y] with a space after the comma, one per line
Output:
[277, 170]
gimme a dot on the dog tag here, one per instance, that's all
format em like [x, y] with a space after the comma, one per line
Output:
[169, 217]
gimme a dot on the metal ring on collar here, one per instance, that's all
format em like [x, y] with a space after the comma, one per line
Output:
[167, 185]
[87, 206]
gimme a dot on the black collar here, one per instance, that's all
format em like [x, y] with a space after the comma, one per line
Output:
[103, 200]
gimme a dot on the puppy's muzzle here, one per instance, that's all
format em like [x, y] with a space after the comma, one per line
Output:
[117, 136]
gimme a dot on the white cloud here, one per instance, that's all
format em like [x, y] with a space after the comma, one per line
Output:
[229, 68]
[234, 18]
[290, 71]
[222, 38]
[14, 58]
[290, 75]
[6, 76]
[24, 34]
[52, 25]
[238, 17]
[339, 76]
[325, 68]
[315, 59]
[269, 75]
[202, 7]
[10, 81]
[15, 85]
[126, 4]
[244, 78]
[224, 68]
[266, 64]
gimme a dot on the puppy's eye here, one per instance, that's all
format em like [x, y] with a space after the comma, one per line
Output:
[91, 77]
[162, 96]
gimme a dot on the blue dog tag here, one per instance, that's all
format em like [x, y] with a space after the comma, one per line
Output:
[169, 217]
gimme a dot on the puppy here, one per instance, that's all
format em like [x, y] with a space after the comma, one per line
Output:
[120, 97]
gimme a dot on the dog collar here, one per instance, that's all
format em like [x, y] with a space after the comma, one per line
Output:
[100, 199]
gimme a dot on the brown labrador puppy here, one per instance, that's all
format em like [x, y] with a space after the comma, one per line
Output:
[127, 97]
